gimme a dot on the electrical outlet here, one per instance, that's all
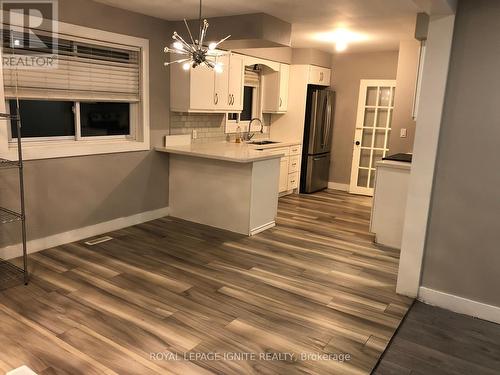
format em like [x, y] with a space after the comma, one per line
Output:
[403, 133]
[195, 134]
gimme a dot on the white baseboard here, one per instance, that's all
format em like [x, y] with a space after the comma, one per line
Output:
[262, 228]
[13, 251]
[338, 186]
[459, 304]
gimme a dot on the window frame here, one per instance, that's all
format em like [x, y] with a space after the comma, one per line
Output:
[43, 148]
[133, 111]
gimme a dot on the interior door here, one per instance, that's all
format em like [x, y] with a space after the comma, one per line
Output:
[373, 126]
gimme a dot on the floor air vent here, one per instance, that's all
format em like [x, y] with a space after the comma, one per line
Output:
[98, 240]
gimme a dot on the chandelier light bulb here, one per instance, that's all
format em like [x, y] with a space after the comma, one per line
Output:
[186, 66]
[218, 68]
[178, 45]
[212, 46]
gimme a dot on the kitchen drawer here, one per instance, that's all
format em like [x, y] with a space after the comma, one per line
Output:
[294, 164]
[293, 181]
[276, 151]
[296, 150]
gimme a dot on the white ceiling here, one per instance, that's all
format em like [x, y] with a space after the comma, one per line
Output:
[383, 22]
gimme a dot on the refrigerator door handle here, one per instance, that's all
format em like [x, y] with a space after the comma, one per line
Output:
[319, 158]
[328, 124]
[314, 113]
[324, 123]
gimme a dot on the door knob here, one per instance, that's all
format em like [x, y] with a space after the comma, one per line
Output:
[358, 143]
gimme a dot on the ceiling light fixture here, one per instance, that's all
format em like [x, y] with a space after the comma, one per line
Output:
[341, 38]
[340, 46]
[196, 53]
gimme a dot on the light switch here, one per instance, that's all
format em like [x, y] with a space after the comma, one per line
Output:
[403, 133]
[195, 134]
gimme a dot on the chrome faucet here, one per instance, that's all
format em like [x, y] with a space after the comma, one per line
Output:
[247, 136]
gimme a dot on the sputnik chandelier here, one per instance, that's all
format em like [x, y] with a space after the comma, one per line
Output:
[195, 54]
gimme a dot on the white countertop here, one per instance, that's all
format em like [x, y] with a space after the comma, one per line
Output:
[393, 164]
[234, 152]
[278, 144]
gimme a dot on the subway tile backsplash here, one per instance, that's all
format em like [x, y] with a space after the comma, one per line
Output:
[210, 127]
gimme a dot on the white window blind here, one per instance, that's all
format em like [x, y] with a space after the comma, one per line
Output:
[252, 77]
[85, 70]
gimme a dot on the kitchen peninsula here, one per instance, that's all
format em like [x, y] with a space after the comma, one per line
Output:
[225, 185]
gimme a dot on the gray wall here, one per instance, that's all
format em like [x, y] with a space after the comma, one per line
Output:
[405, 93]
[69, 193]
[462, 254]
[347, 71]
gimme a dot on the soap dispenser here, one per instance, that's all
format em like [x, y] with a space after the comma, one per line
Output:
[238, 134]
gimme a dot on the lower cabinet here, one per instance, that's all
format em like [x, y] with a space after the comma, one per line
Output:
[289, 167]
[284, 174]
[293, 181]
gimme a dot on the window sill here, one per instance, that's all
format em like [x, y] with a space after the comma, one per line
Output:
[63, 149]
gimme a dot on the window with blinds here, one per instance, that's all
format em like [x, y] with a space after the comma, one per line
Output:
[83, 69]
[252, 77]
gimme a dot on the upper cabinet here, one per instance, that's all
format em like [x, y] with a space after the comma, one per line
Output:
[204, 90]
[275, 87]
[236, 82]
[319, 76]
[221, 85]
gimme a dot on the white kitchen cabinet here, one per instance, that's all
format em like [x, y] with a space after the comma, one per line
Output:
[289, 166]
[293, 181]
[221, 84]
[283, 175]
[319, 76]
[294, 164]
[284, 79]
[236, 82]
[389, 202]
[276, 85]
[186, 93]
[204, 90]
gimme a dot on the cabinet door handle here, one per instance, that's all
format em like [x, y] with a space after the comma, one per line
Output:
[216, 99]
[281, 102]
[232, 99]
[321, 76]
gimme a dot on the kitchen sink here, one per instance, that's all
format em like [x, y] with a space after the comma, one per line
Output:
[261, 143]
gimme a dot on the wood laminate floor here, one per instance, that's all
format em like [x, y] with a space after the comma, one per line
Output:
[163, 297]
[439, 342]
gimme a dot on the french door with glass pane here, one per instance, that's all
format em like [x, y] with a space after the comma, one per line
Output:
[373, 126]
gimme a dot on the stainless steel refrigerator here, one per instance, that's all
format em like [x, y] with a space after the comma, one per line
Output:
[318, 131]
